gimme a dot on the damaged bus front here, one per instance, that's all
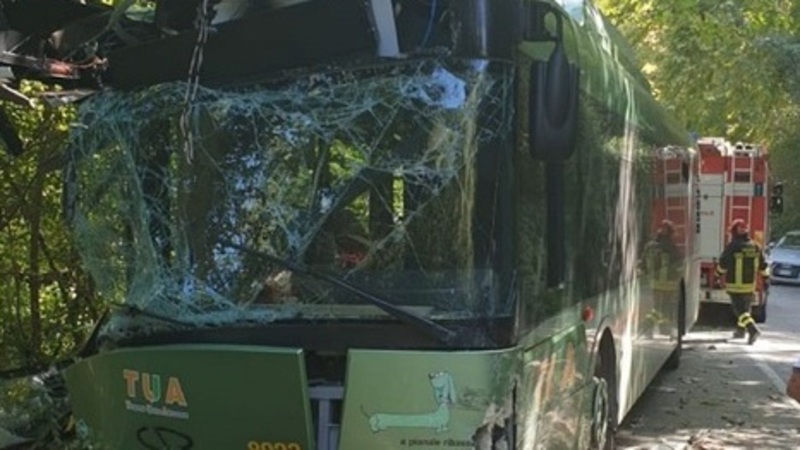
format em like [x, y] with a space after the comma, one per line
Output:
[312, 269]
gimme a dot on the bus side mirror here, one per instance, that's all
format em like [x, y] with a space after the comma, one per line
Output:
[776, 199]
[553, 103]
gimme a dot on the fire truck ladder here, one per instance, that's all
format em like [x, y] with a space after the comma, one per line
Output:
[674, 208]
[742, 177]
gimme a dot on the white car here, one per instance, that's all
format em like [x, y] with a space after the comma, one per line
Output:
[784, 259]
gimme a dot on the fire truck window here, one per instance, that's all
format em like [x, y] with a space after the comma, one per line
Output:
[741, 177]
[685, 171]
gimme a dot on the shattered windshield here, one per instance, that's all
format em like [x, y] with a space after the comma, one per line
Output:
[385, 177]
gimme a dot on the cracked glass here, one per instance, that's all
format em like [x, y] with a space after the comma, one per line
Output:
[387, 177]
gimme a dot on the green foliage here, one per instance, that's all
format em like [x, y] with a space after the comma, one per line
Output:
[785, 167]
[46, 301]
[28, 409]
[725, 68]
[706, 60]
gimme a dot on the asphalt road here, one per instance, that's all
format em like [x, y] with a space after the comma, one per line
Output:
[726, 394]
[781, 346]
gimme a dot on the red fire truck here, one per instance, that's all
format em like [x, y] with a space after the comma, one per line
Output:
[733, 184]
[674, 168]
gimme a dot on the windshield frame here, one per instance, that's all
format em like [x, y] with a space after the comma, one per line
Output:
[495, 152]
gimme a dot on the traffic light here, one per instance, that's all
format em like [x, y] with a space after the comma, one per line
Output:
[776, 199]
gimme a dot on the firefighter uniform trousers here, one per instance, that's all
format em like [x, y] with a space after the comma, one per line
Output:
[741, 304]
[740, 264]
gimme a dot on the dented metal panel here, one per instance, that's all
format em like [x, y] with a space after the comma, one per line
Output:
[428, 400]
[186, 395]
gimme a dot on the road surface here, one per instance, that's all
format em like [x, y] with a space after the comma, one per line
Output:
[726, 394]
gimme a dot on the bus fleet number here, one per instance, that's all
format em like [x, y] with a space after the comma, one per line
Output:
[253, 445]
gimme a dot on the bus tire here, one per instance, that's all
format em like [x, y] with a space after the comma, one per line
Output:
[605, 369]
[674, 360]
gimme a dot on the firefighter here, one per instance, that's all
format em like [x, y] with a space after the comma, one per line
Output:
[740, 264]
[661, 263]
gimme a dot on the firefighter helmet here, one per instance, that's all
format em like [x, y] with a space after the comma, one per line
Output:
[738, 226]
[666, 227]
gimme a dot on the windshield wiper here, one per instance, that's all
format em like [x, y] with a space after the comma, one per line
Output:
[134, 310]
[434, 329]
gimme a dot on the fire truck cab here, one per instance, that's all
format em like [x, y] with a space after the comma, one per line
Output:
[733, 184]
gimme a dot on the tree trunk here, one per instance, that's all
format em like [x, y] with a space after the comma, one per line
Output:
[34, 280]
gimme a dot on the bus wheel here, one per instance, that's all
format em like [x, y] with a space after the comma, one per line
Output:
[674, 360]
[600, 414]
[605, 404]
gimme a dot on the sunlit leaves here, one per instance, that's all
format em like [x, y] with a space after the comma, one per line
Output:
[705, 61]
[43, 313]
[725, 68]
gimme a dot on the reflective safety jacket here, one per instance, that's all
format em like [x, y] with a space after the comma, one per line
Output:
[661, 263]
[740, 263]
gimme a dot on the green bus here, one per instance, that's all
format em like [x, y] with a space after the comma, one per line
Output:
[378, 224]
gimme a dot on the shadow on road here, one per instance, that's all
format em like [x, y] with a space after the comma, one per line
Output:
[718, 399]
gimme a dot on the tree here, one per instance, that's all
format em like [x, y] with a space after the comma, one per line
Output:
[46, 300]
[706, 60]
